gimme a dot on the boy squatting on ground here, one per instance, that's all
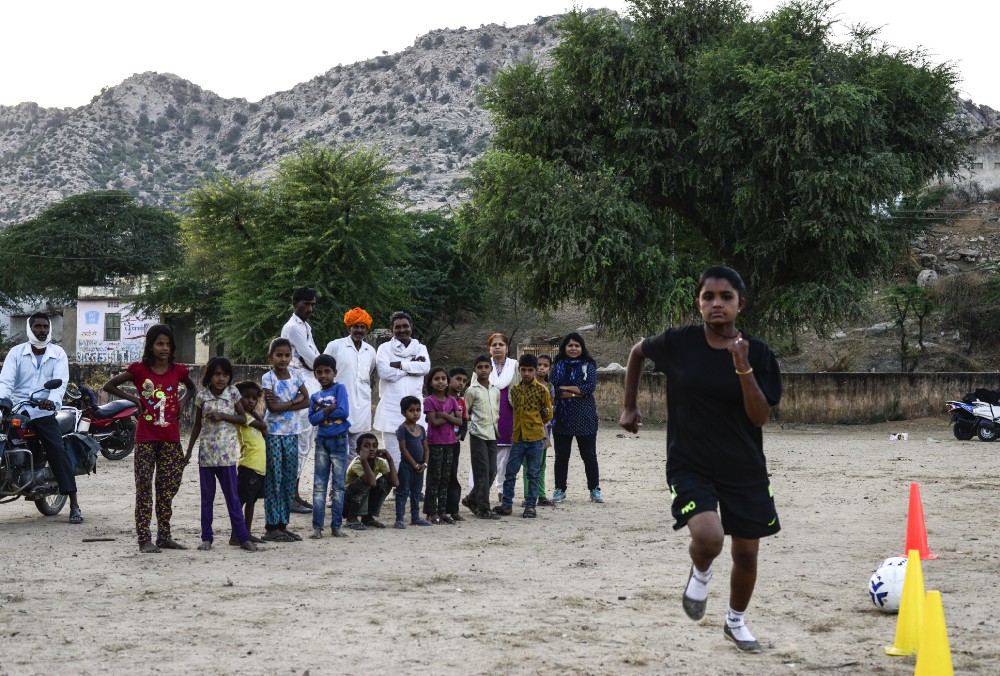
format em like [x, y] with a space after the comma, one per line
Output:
[532, 409]
[370, 477]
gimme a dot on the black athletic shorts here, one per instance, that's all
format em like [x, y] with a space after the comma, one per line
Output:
[249, 485]
[747, 512]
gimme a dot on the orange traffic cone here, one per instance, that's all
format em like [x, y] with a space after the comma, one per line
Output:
[933, 654]
[911, 609]
[916, 530]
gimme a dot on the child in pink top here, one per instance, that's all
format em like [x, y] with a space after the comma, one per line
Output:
[444, 414]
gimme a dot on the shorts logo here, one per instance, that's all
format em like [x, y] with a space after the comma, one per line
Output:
[673, 492]
[773, 521]
[688, 507]
[770, 491]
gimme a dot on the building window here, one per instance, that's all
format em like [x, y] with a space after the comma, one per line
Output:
[976, 165]
[113, 303]
[112, 327]
[996, 165]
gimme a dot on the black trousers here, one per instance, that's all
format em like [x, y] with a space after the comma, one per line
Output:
[484, 470]
[47, 430]
[360, 499]
[588, 451]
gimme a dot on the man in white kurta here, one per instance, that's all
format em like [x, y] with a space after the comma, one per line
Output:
[402, 364]
[304, 351]
[355, 363]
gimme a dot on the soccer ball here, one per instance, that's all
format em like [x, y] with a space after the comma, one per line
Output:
[886, 586]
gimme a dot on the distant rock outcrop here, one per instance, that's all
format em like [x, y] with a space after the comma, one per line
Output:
[156, 134]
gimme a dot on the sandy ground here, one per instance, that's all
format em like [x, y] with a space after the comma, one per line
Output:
[585, 588]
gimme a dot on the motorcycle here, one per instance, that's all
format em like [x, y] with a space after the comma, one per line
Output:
[978, 413]
[112, 425]
[23, 464]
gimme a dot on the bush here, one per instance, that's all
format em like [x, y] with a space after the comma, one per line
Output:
[485, 41]
[285, 112]
[239, 118]
[344, 117]
[482, 68]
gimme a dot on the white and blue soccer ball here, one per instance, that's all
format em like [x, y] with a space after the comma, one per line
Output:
[886, 586]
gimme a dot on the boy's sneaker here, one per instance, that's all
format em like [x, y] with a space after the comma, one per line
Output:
[545, 502]
[559, 495]
[400, 525]
[317, 534]
[529, 513]
[337, 533]
[595, 495]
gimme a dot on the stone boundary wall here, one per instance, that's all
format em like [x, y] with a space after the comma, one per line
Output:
[854, 398]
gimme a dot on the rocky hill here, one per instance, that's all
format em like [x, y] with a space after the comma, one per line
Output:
[156, 134]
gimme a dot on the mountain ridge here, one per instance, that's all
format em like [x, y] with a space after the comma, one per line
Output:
[157, 134]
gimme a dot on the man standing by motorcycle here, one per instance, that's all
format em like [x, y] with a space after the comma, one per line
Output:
[26, 369]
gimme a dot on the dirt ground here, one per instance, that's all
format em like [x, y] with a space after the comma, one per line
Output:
[584, 589]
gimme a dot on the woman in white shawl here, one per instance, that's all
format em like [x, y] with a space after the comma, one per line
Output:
[402, 364]
[502, 376]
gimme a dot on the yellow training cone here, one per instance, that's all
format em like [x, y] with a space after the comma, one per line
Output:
[934, 655]
[911, 609]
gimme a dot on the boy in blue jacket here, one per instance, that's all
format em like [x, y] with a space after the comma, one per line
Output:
[328, 411]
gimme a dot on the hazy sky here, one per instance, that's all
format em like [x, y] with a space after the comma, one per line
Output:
[60, 53]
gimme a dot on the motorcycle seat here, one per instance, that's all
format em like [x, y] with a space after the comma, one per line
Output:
[67, 421]
[111, 409]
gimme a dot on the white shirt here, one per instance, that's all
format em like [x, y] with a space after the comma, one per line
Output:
[299, 334]
[354, 371]
[22, 375]
[394, 384]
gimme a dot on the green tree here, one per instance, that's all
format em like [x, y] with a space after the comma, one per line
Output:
[330, 219]
[691, 132]
[85, 240]
[441, 284]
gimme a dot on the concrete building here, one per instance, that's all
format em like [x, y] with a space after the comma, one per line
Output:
[108, 330]
[983, 168]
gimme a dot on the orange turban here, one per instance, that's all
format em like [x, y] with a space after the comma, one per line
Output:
[357, 316]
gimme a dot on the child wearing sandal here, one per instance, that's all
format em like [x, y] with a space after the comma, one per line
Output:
[532, 409]
[482, 399]
[157, 380]
[253, 456]
[284, 394]
[413, 455]
[370, 477]
[217, 408]
[443, 416]
[329, 410]
[542, 376]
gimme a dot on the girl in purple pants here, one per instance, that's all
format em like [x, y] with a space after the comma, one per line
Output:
[217, 413]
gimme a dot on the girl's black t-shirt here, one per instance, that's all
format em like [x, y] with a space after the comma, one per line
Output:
[708, 430]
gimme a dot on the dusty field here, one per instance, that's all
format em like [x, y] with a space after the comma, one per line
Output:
[582, 589]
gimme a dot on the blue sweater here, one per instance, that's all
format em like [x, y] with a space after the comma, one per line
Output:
[333, 423]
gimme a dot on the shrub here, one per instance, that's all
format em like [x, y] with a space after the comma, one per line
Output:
[344, 117]
[485, 40]
[239, 118]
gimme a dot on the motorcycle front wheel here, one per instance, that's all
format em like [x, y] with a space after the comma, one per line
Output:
[986, 433]
[122, 440]
[963, 431]
[51, 505]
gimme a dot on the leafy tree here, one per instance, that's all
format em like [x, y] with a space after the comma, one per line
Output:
[330, 219]
[89, 239]
[970, 304]
[905, 300]
[440, 282]
[692, 133]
